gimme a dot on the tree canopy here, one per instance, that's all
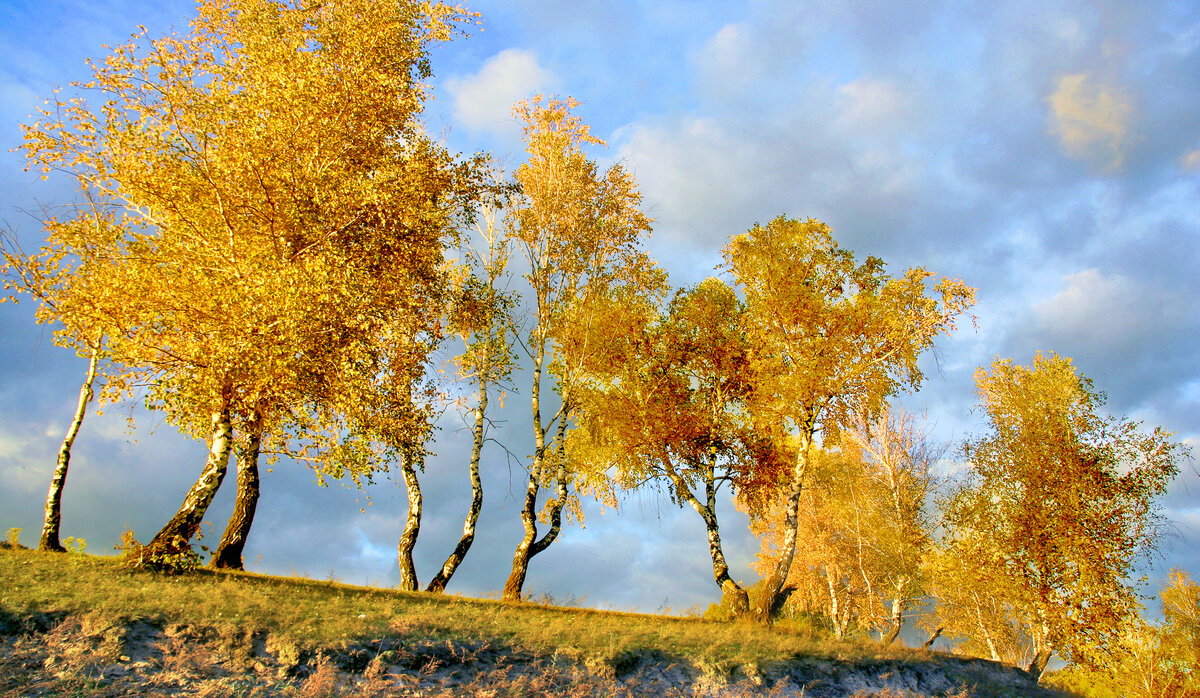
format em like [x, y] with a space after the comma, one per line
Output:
[1060, 506]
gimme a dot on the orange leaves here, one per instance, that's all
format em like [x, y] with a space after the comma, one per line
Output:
[272, 210]
[1064, 496]
[833, 337]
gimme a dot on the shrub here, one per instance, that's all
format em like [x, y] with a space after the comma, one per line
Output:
[174, 557]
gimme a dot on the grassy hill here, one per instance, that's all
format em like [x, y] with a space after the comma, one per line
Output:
[74, 624]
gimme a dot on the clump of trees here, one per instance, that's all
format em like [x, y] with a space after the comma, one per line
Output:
[863, 529]
[278, 257]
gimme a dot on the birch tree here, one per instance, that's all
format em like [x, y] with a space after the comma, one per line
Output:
[484, 324]
[579, 231]
[1065, 498]
[271, 204]
[38, 276]
[664, 405]
[834, 339]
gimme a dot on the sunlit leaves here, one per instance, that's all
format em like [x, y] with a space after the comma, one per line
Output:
[271, 209]
[832, 337]
[1061, 505]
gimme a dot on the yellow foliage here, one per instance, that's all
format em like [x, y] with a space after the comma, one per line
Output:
[265, 211]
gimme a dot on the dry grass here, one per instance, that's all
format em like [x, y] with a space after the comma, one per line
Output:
[87, 625]
[321, 612]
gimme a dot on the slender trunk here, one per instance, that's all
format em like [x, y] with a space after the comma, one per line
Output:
[897, 621]
[554, 508]
[53, 520]
[928, 644]
[520, 567]
[773, 585]
[186, 523]
[835, 608]
[412, 526]
[987, 636]
[554, 512]
[229, 552]
[732, 593]
[515, 583]
[1042, 651]
[439, 581]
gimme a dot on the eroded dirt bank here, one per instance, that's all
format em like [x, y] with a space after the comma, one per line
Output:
[89, 655]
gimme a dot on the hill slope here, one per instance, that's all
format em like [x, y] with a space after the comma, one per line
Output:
[82, 625]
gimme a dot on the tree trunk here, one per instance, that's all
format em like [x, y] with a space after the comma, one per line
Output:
[983, 630]
[53, 519]
[1040, 659]
[515, 584]
[773, 585]
[928, 644]
[530, 544]
[412, 526]
[897, 622]
[554, 511]
[836, 613]
[186, 523]
[439, 581]
[733, 595]
[229, 552]
[520, 567]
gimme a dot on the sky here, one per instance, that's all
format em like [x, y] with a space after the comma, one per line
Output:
[1046, 152]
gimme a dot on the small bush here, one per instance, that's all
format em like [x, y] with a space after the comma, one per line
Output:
[174, 557]
[75, 545]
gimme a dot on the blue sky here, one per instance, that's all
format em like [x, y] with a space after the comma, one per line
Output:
[1048, 153]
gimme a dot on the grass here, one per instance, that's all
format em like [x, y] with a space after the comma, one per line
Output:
[324, 612]
[320, 614]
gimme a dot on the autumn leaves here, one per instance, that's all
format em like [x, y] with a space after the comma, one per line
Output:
[281, 259]
[264, 246]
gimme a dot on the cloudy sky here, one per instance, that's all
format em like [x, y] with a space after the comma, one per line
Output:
[1046, 152]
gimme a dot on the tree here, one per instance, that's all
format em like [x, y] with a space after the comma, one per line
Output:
[972, 607]
[484, 324]
[579, 231]
[34, 276]
[664, 403]
[53, 518]
[1149, 660]
[899, 462]
[864, 528]
[1060, 506]
[269, 206]
[833, 339]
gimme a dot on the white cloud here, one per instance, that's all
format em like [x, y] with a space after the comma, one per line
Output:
[484, 101]
[872, 104]
[1092, 119]
[730, 57]
[694, 174]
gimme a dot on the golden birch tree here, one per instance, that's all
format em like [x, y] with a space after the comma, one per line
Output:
[38, 276]
[270, 205]
[664, 405]
[484, 324]
[833, 339]
[579, 231]
[1061, 506]
[864, 530]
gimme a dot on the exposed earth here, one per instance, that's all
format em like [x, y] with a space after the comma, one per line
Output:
[88, 655]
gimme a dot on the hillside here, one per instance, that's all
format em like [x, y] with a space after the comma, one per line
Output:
[74, 624]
